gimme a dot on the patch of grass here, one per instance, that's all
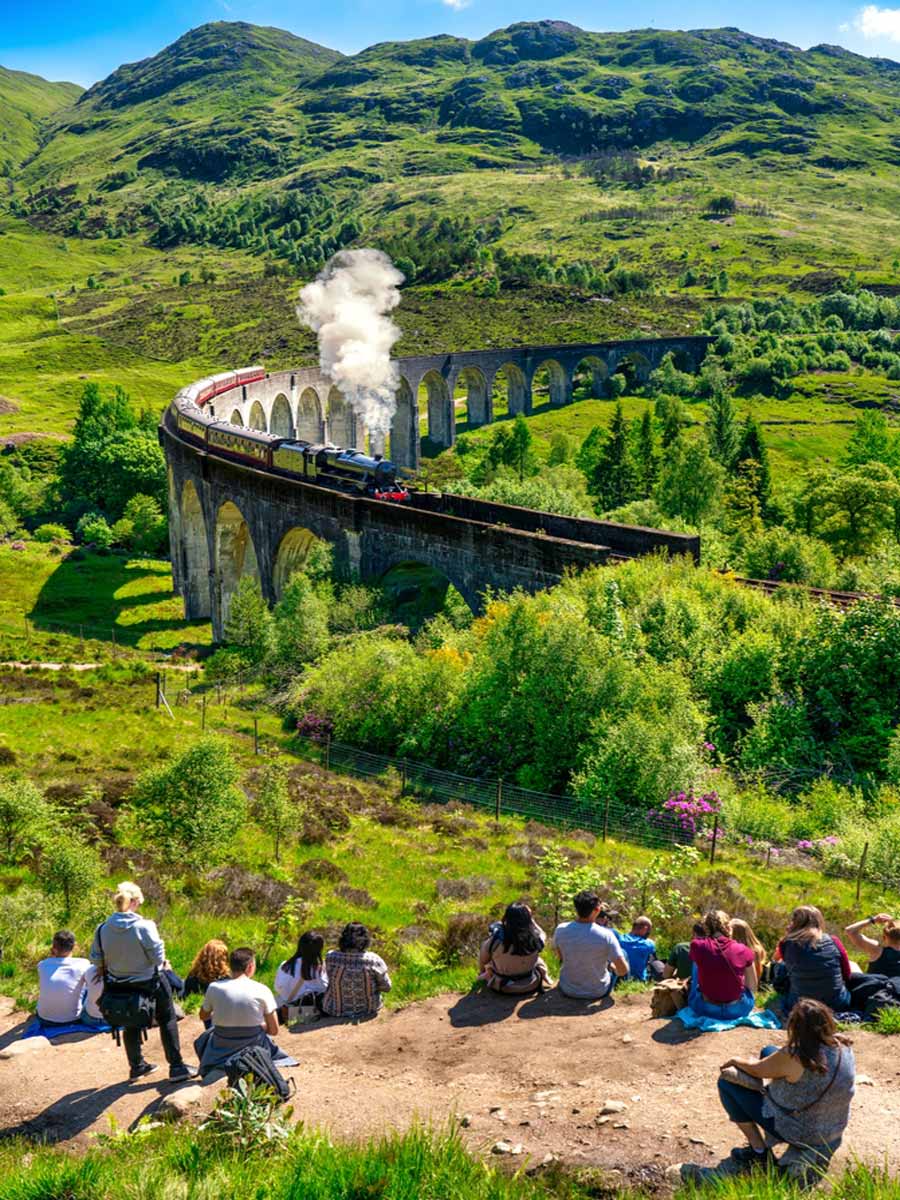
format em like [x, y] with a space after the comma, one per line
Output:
[888, 1021]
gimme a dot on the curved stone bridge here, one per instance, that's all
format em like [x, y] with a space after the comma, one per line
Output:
[305, 403]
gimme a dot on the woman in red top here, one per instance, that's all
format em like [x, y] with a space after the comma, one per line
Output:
[724, 981]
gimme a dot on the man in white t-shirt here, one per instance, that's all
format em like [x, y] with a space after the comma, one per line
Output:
[62, 979]
[587, 951]
[240, 1002]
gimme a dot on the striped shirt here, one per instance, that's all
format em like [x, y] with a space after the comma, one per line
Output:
[356, 980]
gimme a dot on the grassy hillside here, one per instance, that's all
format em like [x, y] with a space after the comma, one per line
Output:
[26, 102]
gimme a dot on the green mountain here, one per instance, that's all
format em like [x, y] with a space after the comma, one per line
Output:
[26, 102]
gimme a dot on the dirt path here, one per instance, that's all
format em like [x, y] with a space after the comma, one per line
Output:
[548, 1064]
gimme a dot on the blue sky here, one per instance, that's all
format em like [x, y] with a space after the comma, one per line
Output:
[83, 40]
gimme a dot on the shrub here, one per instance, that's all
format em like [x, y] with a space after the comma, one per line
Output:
[191, 808]
[761, 816]
[94, 528]
[70, 868]
[248, 628]
[784, 555]
[24, 817]
[52, 533]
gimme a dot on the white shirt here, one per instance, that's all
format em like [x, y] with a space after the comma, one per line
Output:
[240, 1003]
[61, 988]
[286, 989]
[94, 984]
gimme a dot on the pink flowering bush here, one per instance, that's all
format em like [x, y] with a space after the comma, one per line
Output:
[685, 814]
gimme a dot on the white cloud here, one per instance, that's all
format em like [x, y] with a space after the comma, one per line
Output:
[874, 22]
[457, 5]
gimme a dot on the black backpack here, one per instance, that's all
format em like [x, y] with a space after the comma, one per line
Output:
[887, 996]
[125, 1006]
[256, 1063]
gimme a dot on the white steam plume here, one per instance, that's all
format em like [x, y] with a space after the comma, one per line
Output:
[347, 306]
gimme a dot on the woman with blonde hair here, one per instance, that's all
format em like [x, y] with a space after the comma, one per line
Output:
[724, 981]
[816, 963]
[210, 966]
[742, 932]
[129, 952]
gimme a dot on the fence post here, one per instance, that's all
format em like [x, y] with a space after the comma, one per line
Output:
[499, 803]
[715, 838]
[159, 689]
[328, 752]
[769, 856]
[606, 819]
[203, 712]
[862, 867]
[256, 735]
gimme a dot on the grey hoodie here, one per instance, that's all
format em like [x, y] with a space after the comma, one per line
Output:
[129, 946]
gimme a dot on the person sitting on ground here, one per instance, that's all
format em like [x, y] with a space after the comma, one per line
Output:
[510, 957]
[63, 979]
[742, 932]
[128, 950]
[586, 951]
[816, 963]
[209, 966]
[302, 977]
[242, 1012]
[640, 950]
[357, 978]
[807, 1101]
[883, 953]
[724, 982]
[678, 964]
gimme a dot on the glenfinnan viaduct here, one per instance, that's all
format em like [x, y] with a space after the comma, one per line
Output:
[229, 518]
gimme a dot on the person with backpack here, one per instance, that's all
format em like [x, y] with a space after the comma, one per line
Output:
[301, 980]
[724, 982]
[806, 1104]
[816, 964]
[242, 1012]
[510, 958]
[883, 953]
[129, 952]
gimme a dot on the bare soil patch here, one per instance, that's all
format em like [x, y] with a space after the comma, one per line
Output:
[534, 1072]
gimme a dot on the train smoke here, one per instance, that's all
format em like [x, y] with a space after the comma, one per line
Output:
[347, 306]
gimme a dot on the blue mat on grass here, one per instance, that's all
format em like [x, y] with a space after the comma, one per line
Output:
[756, 1020]
[37, 1028]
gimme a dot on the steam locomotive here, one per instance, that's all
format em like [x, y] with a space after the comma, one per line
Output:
[328, 466]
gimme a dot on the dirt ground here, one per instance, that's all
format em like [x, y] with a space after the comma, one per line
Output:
[545, 1066]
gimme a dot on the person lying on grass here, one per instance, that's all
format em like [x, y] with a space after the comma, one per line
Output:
[883, 953]
[807, 1102]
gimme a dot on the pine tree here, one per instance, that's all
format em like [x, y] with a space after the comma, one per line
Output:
[518, 453]
[589, 453]
[752, 449]
[614, 474]
[670, 411]
[647, 464]
[722, 429]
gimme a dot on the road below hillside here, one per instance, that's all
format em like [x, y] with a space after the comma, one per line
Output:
[547, 1064]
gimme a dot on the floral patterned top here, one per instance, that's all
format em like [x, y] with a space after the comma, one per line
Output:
[356, 980]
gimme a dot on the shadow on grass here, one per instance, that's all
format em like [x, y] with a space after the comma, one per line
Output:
[83, 597]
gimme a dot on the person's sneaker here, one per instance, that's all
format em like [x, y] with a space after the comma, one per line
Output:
[183, 1072]
[746, 1156]
[142, 1069]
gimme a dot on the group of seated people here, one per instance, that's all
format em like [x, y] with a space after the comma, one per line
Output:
[128, 955]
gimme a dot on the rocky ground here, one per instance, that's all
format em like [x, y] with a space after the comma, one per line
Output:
[529, 1079]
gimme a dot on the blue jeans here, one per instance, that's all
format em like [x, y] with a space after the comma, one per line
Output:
[842, 1001]
[743, 1105]
[719, 1012]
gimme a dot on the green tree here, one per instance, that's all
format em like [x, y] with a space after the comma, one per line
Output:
[275, 812]
[722, 428]
[614, 480]
[69, 867]
[670, 412]
[873, 440]
[561, 449]
[646, 461]
[857, 508]
[24, 815]
[249, 627]
[142, 526]
[190, 807]
[752, 449]
[590, 450]
[690, 482]
[519, 453]
[300, 626]
[94, 528]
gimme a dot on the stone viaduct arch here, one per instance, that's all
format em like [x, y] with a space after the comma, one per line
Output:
[309, 416]
[281, 422]
[235, 557]
[194, 558]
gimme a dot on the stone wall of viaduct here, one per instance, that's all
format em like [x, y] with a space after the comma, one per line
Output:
[305, 404]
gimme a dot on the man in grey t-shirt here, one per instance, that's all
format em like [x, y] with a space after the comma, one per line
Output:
[587, 951]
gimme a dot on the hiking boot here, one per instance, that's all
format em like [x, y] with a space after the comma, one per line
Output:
[184, 1071]
[142, 1069]
[748, 1158]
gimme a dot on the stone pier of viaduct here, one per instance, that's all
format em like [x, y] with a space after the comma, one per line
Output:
[229, 518]
[305, 404]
